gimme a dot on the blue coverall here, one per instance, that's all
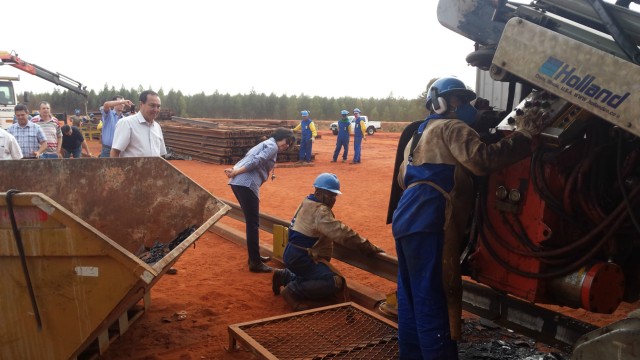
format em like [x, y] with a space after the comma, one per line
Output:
[428, 226]
[305, 140]
[343, 139]
[358, 134]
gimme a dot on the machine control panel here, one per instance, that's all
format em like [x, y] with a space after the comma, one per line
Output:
[566, 121]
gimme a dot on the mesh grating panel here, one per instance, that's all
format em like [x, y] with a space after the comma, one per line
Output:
[345, 331]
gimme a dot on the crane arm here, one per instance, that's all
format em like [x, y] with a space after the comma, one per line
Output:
[56, 78]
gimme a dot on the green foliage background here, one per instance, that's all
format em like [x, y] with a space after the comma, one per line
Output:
[242, 106]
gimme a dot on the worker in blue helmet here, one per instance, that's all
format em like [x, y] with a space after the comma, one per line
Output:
[308, 136]
[438, 160]
[359, 134]
[342, 142]
[309, 279]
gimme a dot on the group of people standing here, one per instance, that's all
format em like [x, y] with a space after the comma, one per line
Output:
[45, 137]
[346, 126]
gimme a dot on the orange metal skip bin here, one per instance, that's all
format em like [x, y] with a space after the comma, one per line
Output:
[82, 223]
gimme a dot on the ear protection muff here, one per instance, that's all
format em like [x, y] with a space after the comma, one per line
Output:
[439, 104]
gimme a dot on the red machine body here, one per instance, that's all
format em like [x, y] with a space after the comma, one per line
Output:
[552, 225]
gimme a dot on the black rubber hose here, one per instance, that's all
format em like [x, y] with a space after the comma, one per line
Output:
[625, 196]
[23, 257]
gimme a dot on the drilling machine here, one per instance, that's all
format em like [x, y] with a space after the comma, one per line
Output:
[562, 226]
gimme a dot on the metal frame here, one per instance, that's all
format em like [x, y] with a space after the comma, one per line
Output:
[519, 315]
[238, 333]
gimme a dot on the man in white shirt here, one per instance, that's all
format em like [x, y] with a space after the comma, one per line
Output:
[9, 148]
[139, 135]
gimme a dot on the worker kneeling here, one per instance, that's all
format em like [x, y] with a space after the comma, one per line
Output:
[308, 274]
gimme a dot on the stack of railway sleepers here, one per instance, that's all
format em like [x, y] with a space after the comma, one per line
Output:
[218, 142]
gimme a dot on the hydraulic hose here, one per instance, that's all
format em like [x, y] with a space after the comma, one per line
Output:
[625, 196]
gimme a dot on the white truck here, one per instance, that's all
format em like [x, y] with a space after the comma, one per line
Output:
[371, 126]
[8, 100]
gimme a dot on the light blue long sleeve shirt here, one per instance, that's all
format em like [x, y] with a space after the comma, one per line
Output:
[258, 162]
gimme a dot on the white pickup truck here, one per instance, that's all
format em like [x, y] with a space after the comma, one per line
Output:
[371, 126]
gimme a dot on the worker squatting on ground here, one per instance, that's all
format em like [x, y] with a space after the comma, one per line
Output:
[359, 134]
[308, 136]
[246, 177]
[434, 209]
[308, 273]
[343, 137]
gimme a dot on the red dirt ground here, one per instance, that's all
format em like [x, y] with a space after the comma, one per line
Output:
[213, 284]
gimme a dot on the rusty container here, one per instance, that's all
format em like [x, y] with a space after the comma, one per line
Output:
[70, 267]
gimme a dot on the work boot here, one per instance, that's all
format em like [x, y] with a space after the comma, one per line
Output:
[264, 259]
[260, 268]
[293, 300]
[334, 160]
[277, 281]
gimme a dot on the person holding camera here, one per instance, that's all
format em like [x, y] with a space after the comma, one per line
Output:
[112, 112]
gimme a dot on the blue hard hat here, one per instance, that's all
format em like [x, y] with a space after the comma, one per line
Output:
[356, 110]
[344, 112]
[449, 86]
[304, 113]
[77, 111]
[329, 182]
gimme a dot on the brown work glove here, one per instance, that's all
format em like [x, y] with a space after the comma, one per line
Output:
[371, 249]
[531, 121]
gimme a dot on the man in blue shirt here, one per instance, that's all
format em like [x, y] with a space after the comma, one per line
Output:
[112, 112]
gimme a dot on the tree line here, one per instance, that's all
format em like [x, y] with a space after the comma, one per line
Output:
[241, 106]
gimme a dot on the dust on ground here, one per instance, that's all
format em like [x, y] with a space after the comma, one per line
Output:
[190, 311]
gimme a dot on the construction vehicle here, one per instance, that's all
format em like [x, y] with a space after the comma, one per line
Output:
[562, 226]
[8, 97]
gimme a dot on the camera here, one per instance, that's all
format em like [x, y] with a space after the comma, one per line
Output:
[132, 109]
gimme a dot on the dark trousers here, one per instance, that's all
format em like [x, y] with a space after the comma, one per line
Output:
[305, 149]
[250, 205]
[340, 144]
[75, 153]
[305, 277]
[357, 143]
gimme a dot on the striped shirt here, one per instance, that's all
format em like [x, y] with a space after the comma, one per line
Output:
[51, 131]
[258, 162]
[29, 137]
